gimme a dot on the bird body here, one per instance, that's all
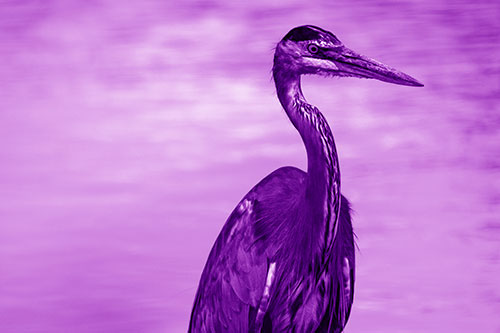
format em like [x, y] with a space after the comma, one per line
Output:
[285, 260]
[264, 229]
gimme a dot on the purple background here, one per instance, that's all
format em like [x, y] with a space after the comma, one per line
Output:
[130, 132]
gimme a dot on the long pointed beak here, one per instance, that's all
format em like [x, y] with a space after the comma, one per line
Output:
[351, 63]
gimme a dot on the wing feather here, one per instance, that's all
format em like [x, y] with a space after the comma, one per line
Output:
[233, 279]
[232, 283]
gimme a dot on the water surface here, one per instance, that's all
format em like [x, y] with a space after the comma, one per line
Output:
[129, 133]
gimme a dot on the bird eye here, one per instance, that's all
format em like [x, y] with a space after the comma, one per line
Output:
[312, 48]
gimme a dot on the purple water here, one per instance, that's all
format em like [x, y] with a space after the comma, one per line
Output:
[129, 133]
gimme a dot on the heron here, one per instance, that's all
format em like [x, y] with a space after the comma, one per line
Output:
[285, 258]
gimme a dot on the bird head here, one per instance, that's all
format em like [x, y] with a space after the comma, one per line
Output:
[312, 50]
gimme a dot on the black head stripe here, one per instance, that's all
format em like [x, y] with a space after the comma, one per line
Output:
[302, 33]
[310, 32]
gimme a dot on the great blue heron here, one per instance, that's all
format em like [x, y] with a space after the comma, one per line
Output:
[284, 260]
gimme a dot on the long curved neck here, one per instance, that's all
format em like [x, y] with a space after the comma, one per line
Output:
[322, 192]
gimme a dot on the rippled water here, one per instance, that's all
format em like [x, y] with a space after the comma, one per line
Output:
[129, 132]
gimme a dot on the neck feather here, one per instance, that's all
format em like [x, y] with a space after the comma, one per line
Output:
[322, 192]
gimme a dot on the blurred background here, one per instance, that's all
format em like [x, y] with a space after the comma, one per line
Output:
[130, 130]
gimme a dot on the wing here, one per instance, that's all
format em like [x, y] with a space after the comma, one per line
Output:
[234, 277]
[233, 293]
